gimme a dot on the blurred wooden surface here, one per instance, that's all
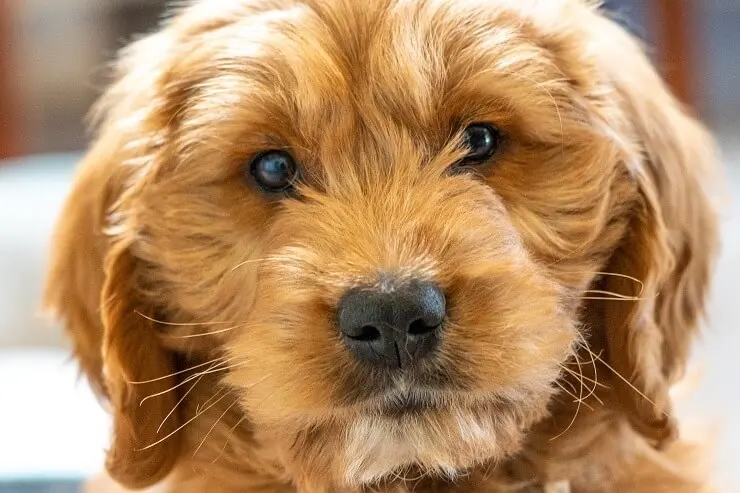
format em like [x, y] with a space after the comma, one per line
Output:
[677, 44]
[9, 121]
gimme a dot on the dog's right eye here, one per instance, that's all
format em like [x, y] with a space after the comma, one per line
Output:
[274, 171]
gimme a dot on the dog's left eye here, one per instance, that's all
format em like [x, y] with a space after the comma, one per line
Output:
[481, 140]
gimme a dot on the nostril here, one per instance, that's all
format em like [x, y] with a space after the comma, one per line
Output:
[367, 333]
[420, 327]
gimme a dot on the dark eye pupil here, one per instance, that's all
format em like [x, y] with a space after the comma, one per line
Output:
[481, 140]
[274, 171]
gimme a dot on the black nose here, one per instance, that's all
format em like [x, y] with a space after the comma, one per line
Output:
[392, 328]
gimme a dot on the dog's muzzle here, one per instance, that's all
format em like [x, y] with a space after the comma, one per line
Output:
[392, 327]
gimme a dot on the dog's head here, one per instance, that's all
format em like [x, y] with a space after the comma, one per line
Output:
[393, 222]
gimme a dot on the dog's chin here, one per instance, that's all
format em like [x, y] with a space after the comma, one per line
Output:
[407, 402]
[435, 434]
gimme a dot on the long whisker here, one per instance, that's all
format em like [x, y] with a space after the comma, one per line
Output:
[640, 393]
[612, 293]
[625, 276]
[193, 377]
[584, 344]
[180, 324]
[228, 438]
[197, 376]
[180, 401]
[612, 298]
[214, 426]
[206, 402]
[209, 333]
[184, 424]
[571, 394]
[561, 382]
[572, 422]
[570, 385]
[584, 377]
[578, 406]
[419, 476]
[253, 261]
[141, 382]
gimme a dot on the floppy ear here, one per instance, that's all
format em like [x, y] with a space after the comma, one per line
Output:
[133, 357]
[96, 283]
[93, 285]
[672, 238]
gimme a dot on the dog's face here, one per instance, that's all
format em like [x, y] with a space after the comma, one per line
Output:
[401, 211]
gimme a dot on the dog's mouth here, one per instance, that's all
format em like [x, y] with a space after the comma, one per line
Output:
[414, 402]
[417, 393]
[407, 404]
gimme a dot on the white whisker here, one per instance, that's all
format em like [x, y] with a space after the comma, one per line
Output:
[191, 378]
[214, 426]
[209, 333]
[141, 382]
[183, 425]
[179, 324]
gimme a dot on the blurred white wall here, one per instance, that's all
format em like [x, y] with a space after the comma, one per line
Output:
[31, 194]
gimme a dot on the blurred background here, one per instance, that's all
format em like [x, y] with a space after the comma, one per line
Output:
[53, 60]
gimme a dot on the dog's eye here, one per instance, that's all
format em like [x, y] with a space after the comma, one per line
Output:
[274, 171]
[481, 140]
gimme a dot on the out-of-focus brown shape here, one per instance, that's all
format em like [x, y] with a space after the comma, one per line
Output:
[9, 114]
[676, 43]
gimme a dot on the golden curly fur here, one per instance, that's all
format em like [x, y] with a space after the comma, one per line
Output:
[575, 263]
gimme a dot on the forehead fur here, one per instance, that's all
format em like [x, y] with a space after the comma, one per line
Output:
[299, 73]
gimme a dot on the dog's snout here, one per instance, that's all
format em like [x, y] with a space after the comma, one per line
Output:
[393, 328]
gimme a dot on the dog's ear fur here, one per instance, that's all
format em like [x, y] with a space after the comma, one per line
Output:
[136, 367]
[95, 281]
[672, 239]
